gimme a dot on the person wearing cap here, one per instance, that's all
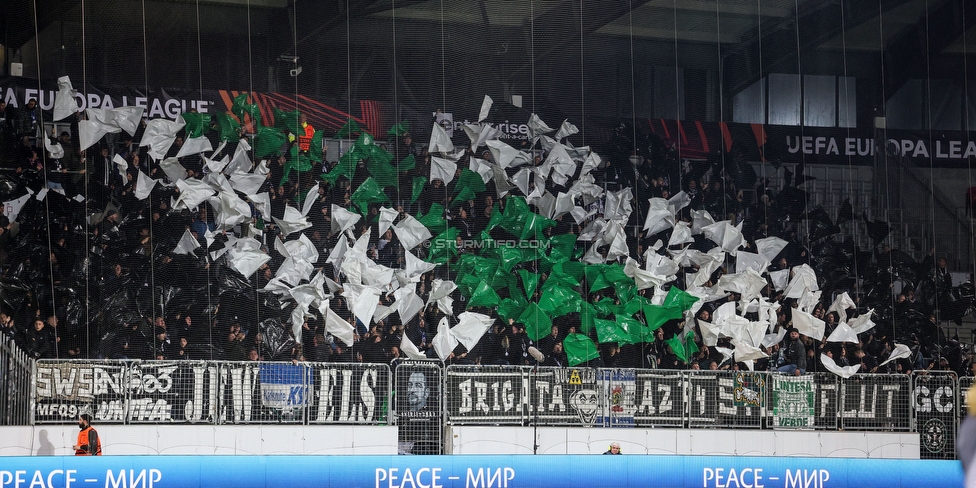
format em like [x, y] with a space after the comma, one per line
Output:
[614, 448]
[89, 444]
[795, 354]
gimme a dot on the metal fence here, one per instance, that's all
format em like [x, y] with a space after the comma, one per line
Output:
[15, 383]
[419, 407]
[504, 395]
[935, 408]
[480, 395]
[660, 398]
[726, 399]
[420, 397]
[875, 402]
[213, 392]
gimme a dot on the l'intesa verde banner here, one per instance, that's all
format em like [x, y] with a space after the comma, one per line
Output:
[793, 401]
[472, 472]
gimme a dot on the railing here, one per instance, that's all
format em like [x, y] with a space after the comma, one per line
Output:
[15, 380]
[430, 396]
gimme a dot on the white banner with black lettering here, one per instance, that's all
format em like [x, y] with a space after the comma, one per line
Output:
[211, 392]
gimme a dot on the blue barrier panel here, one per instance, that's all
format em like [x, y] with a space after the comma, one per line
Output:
[472, 472]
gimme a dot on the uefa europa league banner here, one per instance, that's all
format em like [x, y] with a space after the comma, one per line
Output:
[860, 146]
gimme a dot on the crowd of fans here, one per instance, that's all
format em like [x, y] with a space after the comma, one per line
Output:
[96, 276]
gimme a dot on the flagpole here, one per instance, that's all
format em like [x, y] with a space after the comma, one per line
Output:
[535, 413]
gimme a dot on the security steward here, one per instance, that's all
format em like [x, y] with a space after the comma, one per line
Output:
[88, 442]
[304, 139]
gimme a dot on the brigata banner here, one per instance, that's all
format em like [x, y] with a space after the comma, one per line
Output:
[211, 392]
[660, 398]
[474, 472]
[565, 396]
[486, 394]
[513, 395]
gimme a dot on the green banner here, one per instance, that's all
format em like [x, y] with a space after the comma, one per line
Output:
[793, 401]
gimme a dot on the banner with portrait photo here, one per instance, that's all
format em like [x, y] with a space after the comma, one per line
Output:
[419, 409]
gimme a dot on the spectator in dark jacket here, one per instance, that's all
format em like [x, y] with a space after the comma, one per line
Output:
[795, 353]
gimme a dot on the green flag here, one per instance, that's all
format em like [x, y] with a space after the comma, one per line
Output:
[561, 246]
[470, 180]
[611, 331]
[587, 316]
[315, 148]
[534, 225]
[684, 347]
[483, 296]
[196, 124]
[515, 291]
[496, 218]
[240, 108]
[365, 141]
[419, 182]
[434, 220]
[579, 349]
[384, 173]
[594, 274]
[346, 166]
[574, 269]
[349, 128]
[605, 307]
[467, 283]
[268, 141]
[501, 279]
[656, 315]
[368, 192]
[510, 308]
[408, 163]
[559, 301]
[627, 292]
[530, 281]
[443, 246]
[379, 154]
[603, 276]
[228, 128]
[570, 272]
[513, 218]
[288, 121]
[399, 129]
[296, 162]
[636, 330]
[482, 267]
[679, 298]
[465, 195]
[537, 323]
[508, 257]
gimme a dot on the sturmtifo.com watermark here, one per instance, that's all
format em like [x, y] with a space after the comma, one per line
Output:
[488, 244]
